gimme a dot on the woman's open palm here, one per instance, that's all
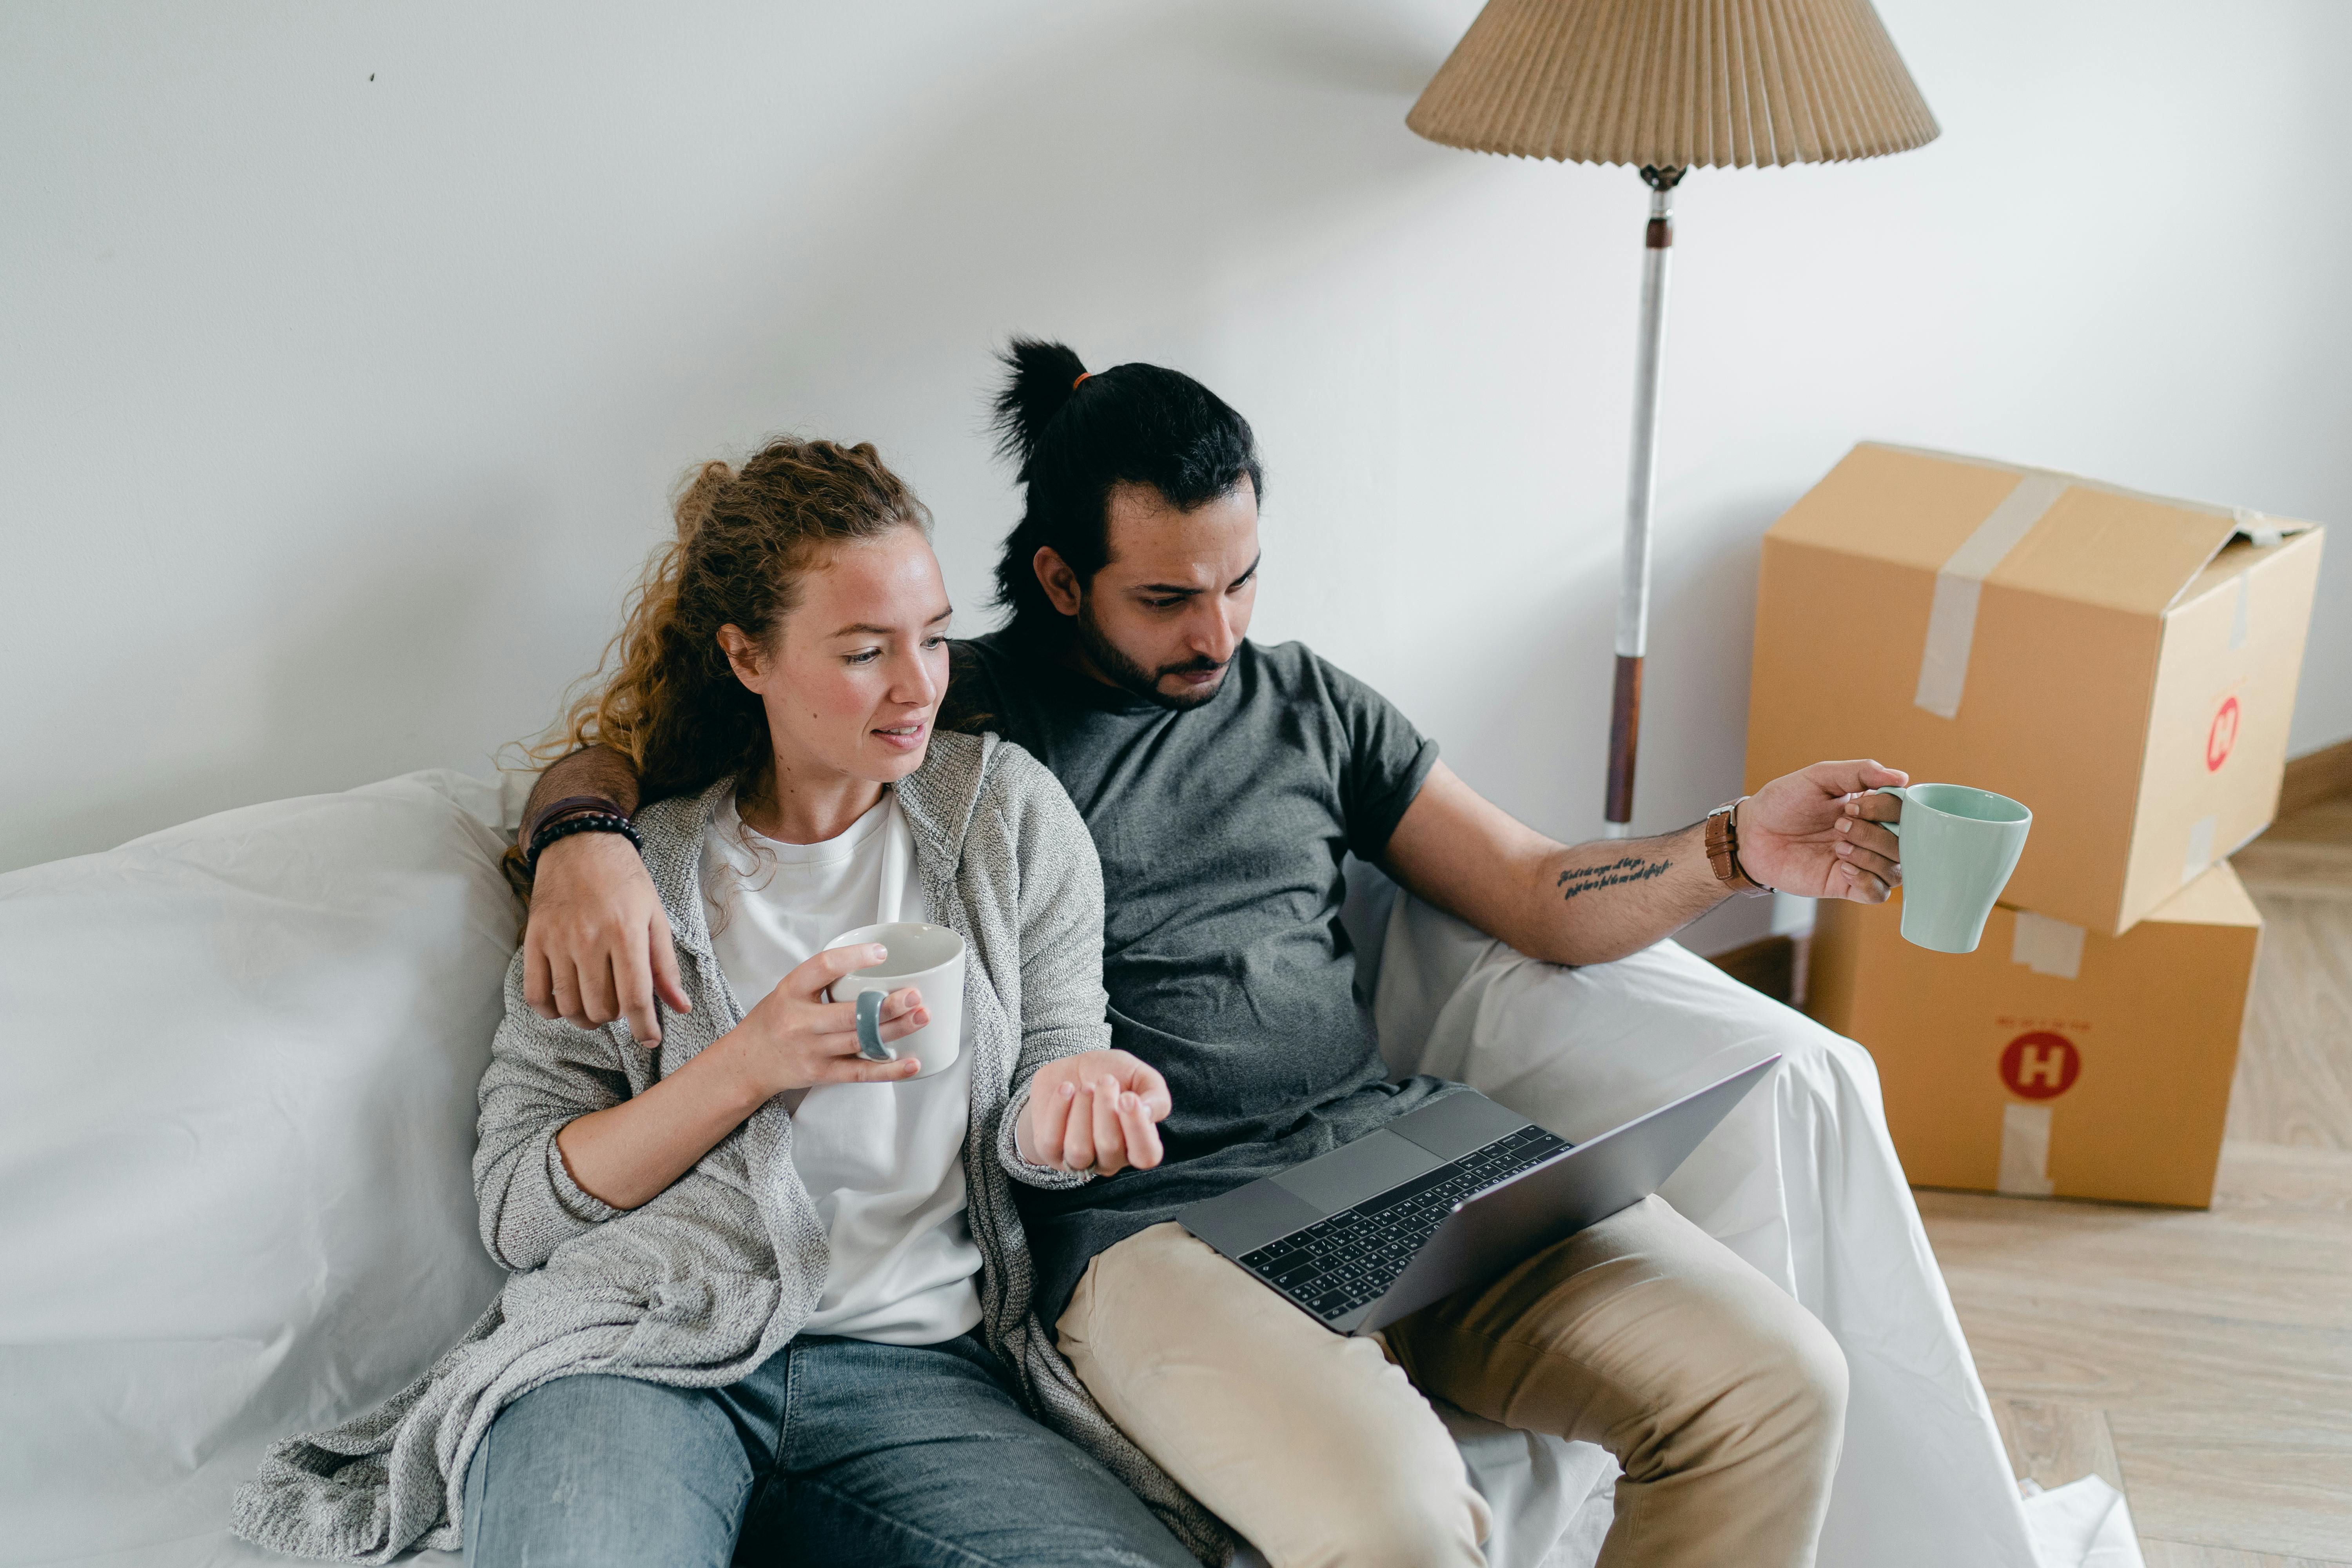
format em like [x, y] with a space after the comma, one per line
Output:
[1097, 1110]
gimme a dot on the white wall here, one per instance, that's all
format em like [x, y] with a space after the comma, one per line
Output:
[347, 353]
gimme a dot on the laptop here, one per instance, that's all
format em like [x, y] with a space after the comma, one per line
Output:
[1444, 1198]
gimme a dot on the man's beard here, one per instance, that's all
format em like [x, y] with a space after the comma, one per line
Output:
[1129, 676]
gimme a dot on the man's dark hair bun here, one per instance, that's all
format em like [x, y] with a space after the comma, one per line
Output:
[1133, 424]
[1044, 376]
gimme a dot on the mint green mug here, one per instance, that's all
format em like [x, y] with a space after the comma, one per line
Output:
[1959, 844]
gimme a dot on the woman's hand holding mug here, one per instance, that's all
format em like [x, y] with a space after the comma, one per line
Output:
[797, 1039]
[1097, 1110]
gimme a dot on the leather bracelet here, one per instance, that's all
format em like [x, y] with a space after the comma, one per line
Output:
[594, 822]
[1723, 850]
[604, 805]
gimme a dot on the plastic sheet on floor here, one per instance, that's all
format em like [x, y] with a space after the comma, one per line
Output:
[2082, 1524]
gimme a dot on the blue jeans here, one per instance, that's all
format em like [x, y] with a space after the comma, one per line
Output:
[834, 1452]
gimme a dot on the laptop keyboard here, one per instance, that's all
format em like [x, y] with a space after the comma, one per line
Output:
[1340, 1263]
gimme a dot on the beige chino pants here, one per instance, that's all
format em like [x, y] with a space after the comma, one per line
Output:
[1723, 1400]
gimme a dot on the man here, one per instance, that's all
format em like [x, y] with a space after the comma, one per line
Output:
[1224, 782]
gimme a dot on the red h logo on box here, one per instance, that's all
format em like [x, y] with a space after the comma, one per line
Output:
[2222, 736]
[2040, 1065]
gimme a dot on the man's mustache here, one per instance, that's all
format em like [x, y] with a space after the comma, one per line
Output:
[1201, 666]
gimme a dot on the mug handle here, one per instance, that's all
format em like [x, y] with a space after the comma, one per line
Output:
[1897, 792]
[870, 1028]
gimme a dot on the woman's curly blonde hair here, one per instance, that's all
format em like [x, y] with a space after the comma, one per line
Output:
[671, 704]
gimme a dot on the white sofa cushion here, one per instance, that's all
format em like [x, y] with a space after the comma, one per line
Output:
[240, 1059]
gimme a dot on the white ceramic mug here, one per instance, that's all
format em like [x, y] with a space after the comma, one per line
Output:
[929, 958]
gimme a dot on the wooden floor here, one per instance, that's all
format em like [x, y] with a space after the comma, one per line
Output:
[2202, 1361]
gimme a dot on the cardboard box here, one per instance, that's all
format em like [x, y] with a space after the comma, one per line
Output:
[2126, 666]
[2051, 1061]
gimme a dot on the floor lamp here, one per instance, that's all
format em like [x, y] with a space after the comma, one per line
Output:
[1666, 85]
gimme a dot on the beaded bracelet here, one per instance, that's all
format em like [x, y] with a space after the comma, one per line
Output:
[587, 822]
[566, 806]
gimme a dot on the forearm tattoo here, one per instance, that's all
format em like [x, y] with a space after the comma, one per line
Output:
[1631, 868]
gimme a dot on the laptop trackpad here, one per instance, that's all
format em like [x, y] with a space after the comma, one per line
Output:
[1354, 1171]
[1454, 1124]
[1248, 1217]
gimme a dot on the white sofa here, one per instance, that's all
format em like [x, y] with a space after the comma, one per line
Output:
[239, 1059]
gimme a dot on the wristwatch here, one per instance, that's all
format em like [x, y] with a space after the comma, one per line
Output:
[1723, 850]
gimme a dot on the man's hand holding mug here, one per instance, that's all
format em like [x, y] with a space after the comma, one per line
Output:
[1816, 833]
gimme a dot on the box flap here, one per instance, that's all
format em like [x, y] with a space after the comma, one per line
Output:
[2241, 554]
[1973, 524]
[1978, 520]
[2215, 899]
[2098, 546]
[1886, 503]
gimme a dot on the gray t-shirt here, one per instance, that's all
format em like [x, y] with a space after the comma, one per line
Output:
[1221, 829]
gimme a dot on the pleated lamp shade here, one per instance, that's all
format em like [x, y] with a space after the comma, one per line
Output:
[1676, 84]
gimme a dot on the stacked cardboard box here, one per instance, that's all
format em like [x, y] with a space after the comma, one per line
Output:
[2053, 1060]
[2126, 666]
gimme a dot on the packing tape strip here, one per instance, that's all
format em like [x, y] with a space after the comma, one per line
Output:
[2025, 1151]
[2047, 946]
[2264, 534]
[1952, 618]
[2200, 849]
[2256, 527]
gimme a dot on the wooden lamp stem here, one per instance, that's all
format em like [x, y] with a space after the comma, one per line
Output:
[1641, 492]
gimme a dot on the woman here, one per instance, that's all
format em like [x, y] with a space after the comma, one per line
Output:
[772, 1299]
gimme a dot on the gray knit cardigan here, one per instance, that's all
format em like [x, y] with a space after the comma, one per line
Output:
[698, 1286]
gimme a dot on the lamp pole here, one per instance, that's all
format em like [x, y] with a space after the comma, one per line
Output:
[1641, 496]
[1667, 86]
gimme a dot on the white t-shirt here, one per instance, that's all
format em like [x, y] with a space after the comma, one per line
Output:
[883, 1161]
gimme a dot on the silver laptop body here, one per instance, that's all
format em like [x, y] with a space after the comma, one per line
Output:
[1444, 1198]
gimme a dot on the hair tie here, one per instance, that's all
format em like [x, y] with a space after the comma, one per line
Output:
[1081, 380]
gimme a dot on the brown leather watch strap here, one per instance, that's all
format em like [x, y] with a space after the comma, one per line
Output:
[1723, 850]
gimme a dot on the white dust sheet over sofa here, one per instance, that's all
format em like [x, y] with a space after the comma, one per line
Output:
[240, 1060]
